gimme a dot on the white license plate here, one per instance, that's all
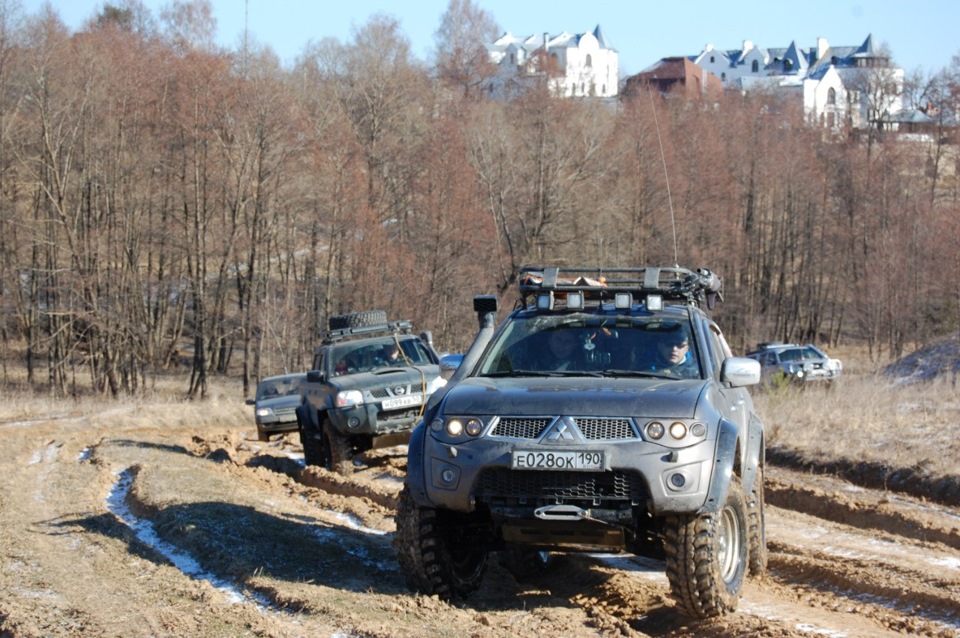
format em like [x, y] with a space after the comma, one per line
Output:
[402, 402]
[546, 460]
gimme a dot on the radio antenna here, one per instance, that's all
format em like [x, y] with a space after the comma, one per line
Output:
[666, 176]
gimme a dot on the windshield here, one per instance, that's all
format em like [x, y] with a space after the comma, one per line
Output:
[279, 387]
[588, 344]
[801, 354]
[367, 355]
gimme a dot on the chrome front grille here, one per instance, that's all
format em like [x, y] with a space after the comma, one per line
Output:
[391, 390]
[520, 427]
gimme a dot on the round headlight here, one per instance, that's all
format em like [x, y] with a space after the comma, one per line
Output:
[698, 429]
[474, 426]
[678, 430]
[655, 430]
[436, 425]
[454, 427]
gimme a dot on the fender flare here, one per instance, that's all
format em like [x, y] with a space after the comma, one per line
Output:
[415, 470]
[755, 455]
[725, 459]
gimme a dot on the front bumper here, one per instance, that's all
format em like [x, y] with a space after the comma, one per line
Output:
[369, 419]
[637, 473]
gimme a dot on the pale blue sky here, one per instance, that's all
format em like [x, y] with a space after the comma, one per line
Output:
[922, 34]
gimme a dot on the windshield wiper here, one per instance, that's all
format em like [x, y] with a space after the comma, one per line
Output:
[542, 373]
[636, 373]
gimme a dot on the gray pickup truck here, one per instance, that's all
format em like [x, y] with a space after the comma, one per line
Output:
[367, 388]
[605, 413]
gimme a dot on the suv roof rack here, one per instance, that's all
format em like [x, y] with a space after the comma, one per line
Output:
[679, 285]
[331, 336]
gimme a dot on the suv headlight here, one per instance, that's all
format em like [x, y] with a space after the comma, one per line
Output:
[457, 427]
[348, 398]
[264, 412]
[672, 432]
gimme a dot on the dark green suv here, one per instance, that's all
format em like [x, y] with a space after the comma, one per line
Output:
[606, 412]
[369, 383]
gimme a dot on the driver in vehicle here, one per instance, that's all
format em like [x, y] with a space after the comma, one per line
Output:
[674, 356]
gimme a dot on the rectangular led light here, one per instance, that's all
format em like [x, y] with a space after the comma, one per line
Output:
[545, 301]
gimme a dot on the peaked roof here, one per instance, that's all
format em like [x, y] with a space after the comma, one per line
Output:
[866, 49]
[531, 43]
[601, 38]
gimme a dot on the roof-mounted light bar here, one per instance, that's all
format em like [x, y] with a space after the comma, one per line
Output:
[675, 284]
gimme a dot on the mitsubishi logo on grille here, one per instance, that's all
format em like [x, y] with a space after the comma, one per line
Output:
[560, 432]
[399, 390]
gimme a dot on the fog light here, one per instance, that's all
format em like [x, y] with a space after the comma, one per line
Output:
[698, 429]
[353, 422]
[454, 427]
[448, 476]
[678, 430]
[655, 430]
[474, 426]
[677, 481]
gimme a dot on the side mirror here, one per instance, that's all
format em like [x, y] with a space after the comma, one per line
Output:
[251, 401]
[315, 376]
[740, 371]
[449, 364]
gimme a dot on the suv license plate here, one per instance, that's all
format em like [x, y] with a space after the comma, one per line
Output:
[402, 402]
[539, 460]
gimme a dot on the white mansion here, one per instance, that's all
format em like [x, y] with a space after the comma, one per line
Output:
[571, 65]
[850, 85]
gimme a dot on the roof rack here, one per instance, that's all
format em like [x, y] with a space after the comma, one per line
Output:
[700, 288]
[331, 336]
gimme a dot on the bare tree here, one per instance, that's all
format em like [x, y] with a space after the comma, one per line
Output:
[461, 42]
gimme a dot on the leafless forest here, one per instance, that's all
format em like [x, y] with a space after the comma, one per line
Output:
[169, 206]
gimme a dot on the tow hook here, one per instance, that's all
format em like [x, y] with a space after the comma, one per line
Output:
[560, 513]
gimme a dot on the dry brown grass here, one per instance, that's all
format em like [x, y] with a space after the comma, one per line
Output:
[867, 417]
[165, 405]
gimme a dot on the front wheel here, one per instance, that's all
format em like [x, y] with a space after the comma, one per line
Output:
[707, 557]
[440, 553]
[314, 451]
[339, 450]
[756, 528]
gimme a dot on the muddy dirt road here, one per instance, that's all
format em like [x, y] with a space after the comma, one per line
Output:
[122, 530]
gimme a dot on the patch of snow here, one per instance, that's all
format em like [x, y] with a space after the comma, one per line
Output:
[807, 628]
[146, 534]
[84, 455]
[949, 562]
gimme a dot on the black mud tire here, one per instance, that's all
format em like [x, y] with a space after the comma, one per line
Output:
[263, 437]
[756, 528]
[314, 451]
[706, 557]
[524, 563]
[431, 560]
[362, 319]
[339, 451]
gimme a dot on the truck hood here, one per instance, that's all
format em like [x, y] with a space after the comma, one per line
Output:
[575, 396]
[384, 377]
